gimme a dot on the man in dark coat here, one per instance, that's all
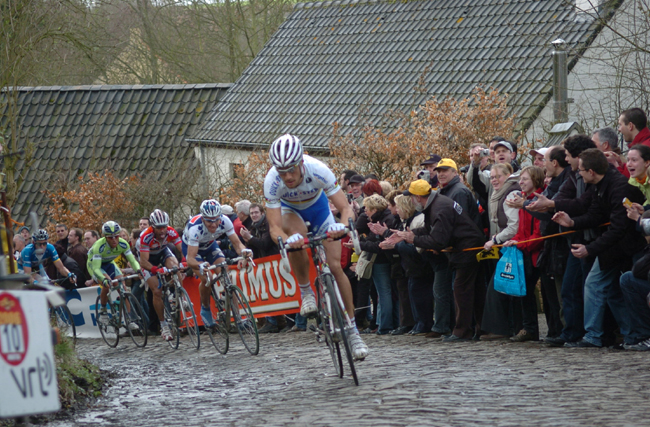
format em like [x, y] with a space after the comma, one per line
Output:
[451, 187]
[258, 238]
[613, 248]
[446, 224]
[79, 253]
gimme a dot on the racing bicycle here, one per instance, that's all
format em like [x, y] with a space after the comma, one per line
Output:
[124, 311]
[334, 322]
[178, 309]
[230, 311]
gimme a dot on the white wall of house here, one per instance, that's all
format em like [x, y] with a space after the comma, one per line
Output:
[217, 164]
[604, 81]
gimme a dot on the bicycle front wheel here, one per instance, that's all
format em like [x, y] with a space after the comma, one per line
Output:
[171, 316]
[134, 320]
[109, 329]
[339, 322]
[244, 320]
[187, 316]
[325, 325]
[219, 332]
[65, 322]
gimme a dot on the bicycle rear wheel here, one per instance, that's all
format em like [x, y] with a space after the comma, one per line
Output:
[244, 320]
[134, 320]
[111, 330]
[219, 332]
[187, 316]
[324, 318]
[171, 316]
[65, 322]
[339, 322]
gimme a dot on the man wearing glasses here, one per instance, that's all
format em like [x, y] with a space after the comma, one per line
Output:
[297, 190]
[37, 253]
[101, 262]
[199, 245]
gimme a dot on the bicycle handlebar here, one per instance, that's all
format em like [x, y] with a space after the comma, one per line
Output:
[310, 240]
[132, 276]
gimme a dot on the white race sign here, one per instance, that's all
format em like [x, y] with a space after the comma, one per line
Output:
[27, 371]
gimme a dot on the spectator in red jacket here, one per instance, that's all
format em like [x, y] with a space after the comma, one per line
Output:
[531, 181]
[633, 125]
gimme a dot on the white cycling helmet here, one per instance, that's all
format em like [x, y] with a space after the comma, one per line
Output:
[285, 152]
[210, 209]
[158, 218]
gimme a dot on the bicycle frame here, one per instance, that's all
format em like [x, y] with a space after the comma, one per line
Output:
[332, 307]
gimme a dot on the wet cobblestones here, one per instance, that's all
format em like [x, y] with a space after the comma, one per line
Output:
[404, 381]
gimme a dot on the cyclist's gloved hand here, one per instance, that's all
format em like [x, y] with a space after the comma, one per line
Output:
[72, 277]
[202, 267]
[295, 238]
[335, 228]
[155, 270]
[106, 283]
[247, 253]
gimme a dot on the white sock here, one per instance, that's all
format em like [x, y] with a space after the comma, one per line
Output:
[354, 325]
[163, 323]
[305, 289]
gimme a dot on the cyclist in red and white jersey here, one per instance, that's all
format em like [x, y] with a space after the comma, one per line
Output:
[156, 257]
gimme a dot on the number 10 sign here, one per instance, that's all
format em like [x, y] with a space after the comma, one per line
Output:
[27, 371]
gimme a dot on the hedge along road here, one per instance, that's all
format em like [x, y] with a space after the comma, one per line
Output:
[404, 381]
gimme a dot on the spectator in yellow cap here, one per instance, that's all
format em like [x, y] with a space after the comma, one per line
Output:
[447, 224]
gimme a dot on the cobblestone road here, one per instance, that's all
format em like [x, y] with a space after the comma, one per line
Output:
[404, 381]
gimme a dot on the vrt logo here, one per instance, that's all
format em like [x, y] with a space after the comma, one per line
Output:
[44, 371]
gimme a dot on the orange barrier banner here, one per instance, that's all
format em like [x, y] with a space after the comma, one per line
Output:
[270, 291]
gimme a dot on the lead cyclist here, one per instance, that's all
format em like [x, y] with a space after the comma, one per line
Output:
[297, 189]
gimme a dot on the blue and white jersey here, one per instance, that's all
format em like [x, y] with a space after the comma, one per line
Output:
[29, 257]
[197, 234]
[318, 179]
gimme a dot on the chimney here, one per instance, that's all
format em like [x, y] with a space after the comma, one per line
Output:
[560, 71]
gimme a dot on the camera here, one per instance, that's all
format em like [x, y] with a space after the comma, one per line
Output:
[425, 175]
[485, 152]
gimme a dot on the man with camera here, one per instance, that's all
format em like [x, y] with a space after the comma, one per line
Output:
[429, 172]
[478, 174]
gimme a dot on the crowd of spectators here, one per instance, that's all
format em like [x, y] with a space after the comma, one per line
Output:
[576, 211]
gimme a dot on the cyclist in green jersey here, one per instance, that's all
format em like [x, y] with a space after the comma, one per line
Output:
[101, 265]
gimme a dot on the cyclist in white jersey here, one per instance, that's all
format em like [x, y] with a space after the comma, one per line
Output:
[199, 245]
[297, 189]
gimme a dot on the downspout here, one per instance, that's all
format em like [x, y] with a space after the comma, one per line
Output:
[560, 76]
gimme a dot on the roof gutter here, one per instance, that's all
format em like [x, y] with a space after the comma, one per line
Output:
[249, 145]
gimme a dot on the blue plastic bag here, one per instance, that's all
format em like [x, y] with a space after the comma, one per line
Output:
[510, 277]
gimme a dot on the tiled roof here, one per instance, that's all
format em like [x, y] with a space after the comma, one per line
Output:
[127, 129]
[329, 58]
